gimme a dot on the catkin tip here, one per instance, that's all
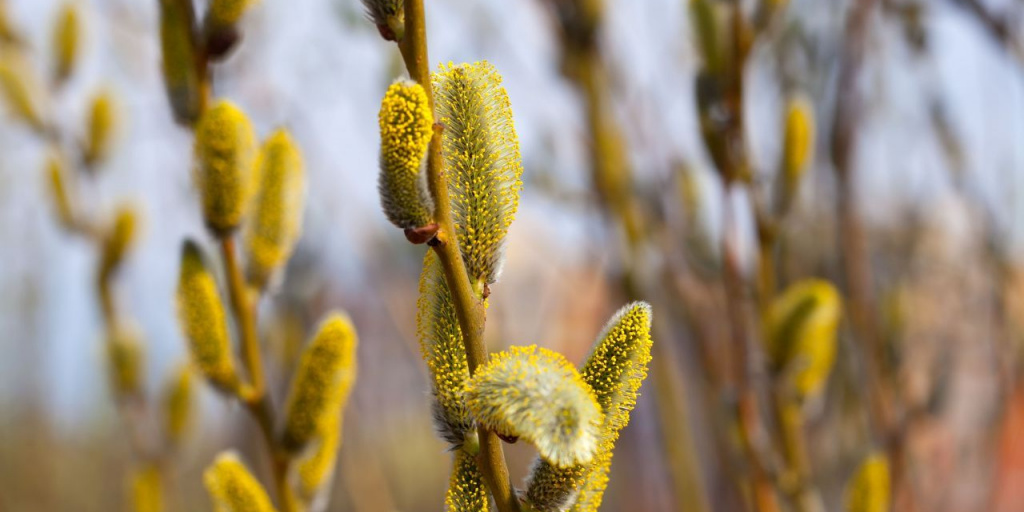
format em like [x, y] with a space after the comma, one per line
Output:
[869, 489]
[224, 174]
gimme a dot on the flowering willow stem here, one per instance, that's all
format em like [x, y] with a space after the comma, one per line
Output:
[469, 307]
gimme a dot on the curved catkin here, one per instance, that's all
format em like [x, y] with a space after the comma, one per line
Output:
[322, 382]
[535, 394]
[466, 489]
[225, 150]
[276, 218]
[125, 360]
[203, 321]
[59, 191]
[482, 161]
[440, 336]
[406, 126]
[178, 46]
[388, 16]
[800, 334]
[100, 128]
[147, 489]
[224, 13]
[20, 90]
[615, 369]
[869, 489]
[66, 41]
[118, 240]
[315, 469]
[233, 488]
[799, 140]
[178, 404]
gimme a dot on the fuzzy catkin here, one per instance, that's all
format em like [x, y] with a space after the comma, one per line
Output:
[322, 382]
[178, 404]
[314, 470]
[535, 394]
[801, 334]
[466, 489]
[66, 41]
[100, 128]
[118, 239]
[798, 142]
[482, 160]
[870, 487]
[233, 488]
[225, 150]
[20, 90]
[178, 47]
[147, 489]
[203, 320]
[406, 126]
[276, 218]
[125, 359]
[437, 327]
[615, 369]
[388, 16]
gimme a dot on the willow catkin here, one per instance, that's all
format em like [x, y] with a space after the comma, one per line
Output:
[405, 130]
[798, 142]
[322, 382]
[203, 320]
[869, 488]
[224, 13]
[534, 394]
[178, 404]
[100, 126]
[147, 489]
[482, 161]
[388, 16]
[125, 360]
[276, 218]
[801, 330]
[615, 369]
[19, 88]
[233, 488]
[224, 172]
[315, 468]
[444, 351]
[179, 46]
[58, 188]
[466, 489]
[118, 240]
[66, 41]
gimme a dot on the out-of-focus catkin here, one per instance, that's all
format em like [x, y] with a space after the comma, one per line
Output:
[322, 382]
[100, 127]
[388, 16]
[444, 352]
[118, 239]
[233, 488]
[125, 360]
[225, 151]
[406, 126]
[19, 87]
[466, 489]
[534, 394]
[314, 470]
[178, 404]
[147, 489]
[203, 320]
[276, 219]
[224, 13]
[798, 144]
[869, 488]
[615, 369]
[800, 333]
[482, 162]
[58, 187]
[178, 45]
[66, 41]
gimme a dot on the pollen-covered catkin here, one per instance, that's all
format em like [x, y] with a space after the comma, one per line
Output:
[178, 404]
[276, 219]
[868, 490]
[100, 128]
[800, 334]
[615, 369]
[482, 161]
[178, 46]
[66, 41]
[443, 350]
[203, 320]
[406, 126]
[59, 191]
[314, 470]
[466, 489]
[322, 381]
[233, 488]
[535, 394]
[125, 359]
[225, 152]
[798, 141]
[147, 489]
[389, 16]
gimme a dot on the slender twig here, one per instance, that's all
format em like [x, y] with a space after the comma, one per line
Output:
[469, 306]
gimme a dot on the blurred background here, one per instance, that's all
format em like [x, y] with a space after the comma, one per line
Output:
[910, 204]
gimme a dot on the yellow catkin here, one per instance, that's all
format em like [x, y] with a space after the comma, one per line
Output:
[322, 382]
[125, 361]
[389, 16]
[225, 151]
[869, 489]
[19, 88]
[233, 488]
[203, 320]
[118, 240]
[800, 333]
[482, 162]
[178, 46]
[798, 144]
[58, 187]
[147, 489]
[406, 126]
[178, 404]
[100, 127]
[276, 220]
[615, 369]
[66, 41]
[314, 471]
[466, 489]
[223, 13]
[8, 33]
[534, 394]
[444, 352]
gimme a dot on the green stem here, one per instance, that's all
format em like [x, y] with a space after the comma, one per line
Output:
[469, 307]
